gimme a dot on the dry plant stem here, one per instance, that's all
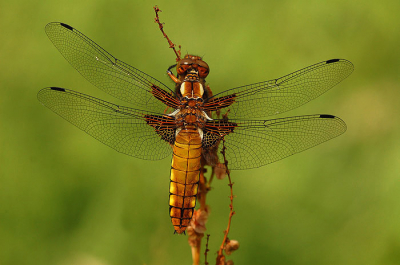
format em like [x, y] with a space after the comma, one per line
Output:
[208, 186]
[206, 251]
[196, 255]
[171, 44]
[202, 199]
[203, 189]
[221, 257]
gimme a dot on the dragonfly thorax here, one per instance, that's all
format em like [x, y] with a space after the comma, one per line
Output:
[192, 90]
[191, 113]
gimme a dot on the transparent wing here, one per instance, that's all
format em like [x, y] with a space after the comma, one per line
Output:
[267, 98]
[256, 143]
[104, 70]
[123, 129]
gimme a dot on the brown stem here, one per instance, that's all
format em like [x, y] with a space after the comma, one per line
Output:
[206, 251]
[196, 255]
[195, 237]
[202, 190]
[220, 256]
[171, 44]
[211, 179]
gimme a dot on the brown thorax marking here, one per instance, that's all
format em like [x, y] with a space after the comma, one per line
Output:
[190, 113]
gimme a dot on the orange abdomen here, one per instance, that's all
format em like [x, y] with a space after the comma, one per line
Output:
[185, 175]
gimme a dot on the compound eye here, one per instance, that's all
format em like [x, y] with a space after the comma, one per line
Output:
[182, 69]
[203, 72]
[183, 65]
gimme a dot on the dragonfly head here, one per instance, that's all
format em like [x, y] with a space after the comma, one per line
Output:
[192, 65]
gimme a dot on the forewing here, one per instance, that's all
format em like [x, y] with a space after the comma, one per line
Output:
[276, 96]
[256, 143]
[104, 70]
[123, 129]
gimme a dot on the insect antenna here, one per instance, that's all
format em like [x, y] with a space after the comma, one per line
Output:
[171, 44]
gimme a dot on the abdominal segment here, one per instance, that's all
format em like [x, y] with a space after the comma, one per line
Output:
[185, 175]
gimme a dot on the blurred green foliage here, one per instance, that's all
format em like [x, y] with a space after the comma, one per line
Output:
[67, 199]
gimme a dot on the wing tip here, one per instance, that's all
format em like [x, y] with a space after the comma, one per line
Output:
[42, 93]
[337, 119]
[53, 24]
[350, 64]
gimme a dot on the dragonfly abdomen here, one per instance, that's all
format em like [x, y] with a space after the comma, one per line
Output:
[185, 175]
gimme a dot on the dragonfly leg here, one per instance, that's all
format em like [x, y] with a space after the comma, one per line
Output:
[174, 78]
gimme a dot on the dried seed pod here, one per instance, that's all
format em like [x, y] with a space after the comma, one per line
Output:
[231, 246]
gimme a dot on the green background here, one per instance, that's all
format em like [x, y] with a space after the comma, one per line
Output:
[67, 199]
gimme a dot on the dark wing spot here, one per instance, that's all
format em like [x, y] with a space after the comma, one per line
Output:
[58, 89]
[332, 61]
[327, 116]
[66, 26]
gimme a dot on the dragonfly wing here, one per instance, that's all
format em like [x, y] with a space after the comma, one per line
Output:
[255, 143]
[104, 70]
[124, 129]
[276, 96]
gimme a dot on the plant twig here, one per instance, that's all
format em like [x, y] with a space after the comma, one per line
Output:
[161, 26]
[197, 227]
[207, 250]
[220, 256]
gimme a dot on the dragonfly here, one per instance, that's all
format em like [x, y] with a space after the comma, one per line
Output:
[184, 121]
